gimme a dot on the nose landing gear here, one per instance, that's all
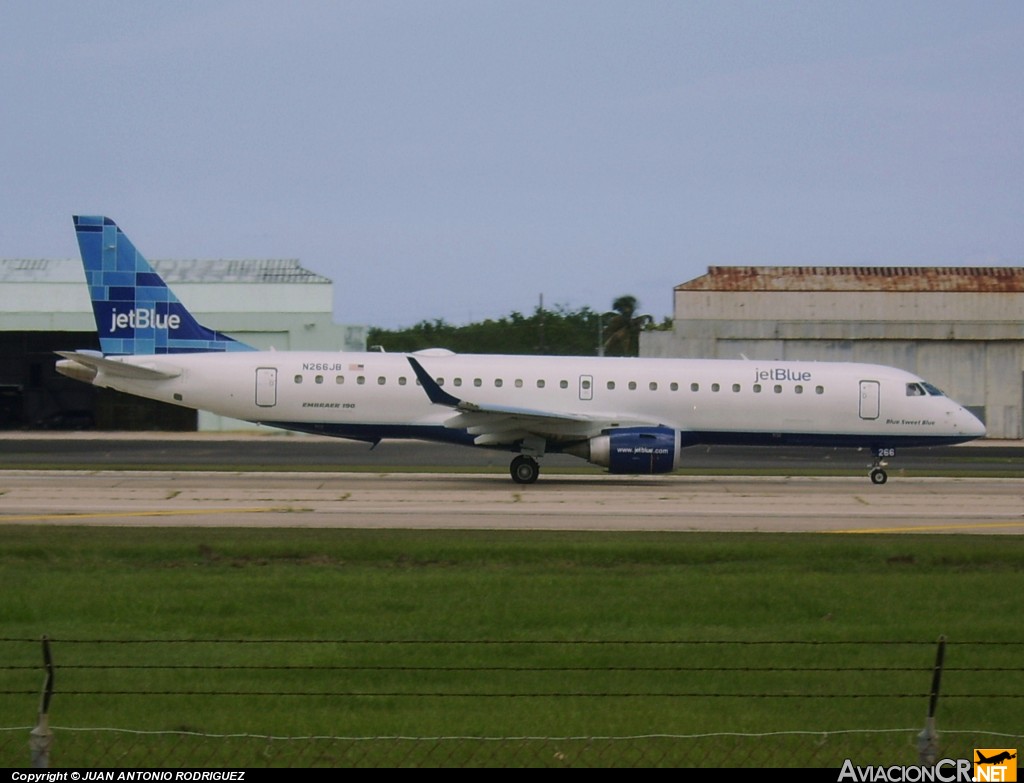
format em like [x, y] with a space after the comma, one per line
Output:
[878, 475]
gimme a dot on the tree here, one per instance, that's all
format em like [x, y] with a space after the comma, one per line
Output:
[622, 335]
[565, 333]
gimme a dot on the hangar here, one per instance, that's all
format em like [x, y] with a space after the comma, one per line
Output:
[45, 307]
[959, 327]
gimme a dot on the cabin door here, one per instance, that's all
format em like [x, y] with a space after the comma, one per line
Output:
[869, 399]
[586, 387]
[266, 387]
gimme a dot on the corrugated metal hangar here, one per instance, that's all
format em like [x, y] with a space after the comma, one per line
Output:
[960, 328]
[45, 307]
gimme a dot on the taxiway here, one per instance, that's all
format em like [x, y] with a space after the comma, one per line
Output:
[434, 500]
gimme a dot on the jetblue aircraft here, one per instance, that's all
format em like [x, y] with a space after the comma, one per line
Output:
[629, 415]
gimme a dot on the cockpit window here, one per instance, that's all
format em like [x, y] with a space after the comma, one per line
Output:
[922, 388]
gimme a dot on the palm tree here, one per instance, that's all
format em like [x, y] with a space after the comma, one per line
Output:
[622, 336]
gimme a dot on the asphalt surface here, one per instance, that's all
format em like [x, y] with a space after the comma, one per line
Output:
[843, 505]
[270, 480]
[258, 451]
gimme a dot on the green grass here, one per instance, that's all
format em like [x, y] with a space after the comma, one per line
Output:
[412, 597]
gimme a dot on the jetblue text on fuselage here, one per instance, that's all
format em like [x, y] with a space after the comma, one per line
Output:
[781, 374]
[143, 319]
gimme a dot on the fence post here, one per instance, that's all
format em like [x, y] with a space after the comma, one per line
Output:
[41, 737]
[928, 739]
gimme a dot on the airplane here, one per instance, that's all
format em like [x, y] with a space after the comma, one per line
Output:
[996, 759]
[629, 415]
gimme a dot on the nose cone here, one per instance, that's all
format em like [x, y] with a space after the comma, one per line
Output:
[970, 424]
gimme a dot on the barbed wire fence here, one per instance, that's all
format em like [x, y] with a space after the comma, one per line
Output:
[354, 683]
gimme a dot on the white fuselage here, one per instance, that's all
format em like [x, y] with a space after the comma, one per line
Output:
[370, 396]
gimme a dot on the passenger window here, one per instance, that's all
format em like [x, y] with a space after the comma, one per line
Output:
[585, 384]
[477, 382]
[381, 380]
[319, 379]
[715, 387]
[694, 387]
[401, 380]
[563, 384]
[519, 383]
[611, 385]
[653, 386]
[340, 379]
[540, 383]
[361, 380]
[798, 389]
[632, 385]
[757, 388]
[298, 379]
[498, 383]
[674, 386]
[457, 381]
[735, 387]
[819, 389]
[777, 389]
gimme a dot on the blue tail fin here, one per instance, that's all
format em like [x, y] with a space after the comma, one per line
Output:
[136, 313]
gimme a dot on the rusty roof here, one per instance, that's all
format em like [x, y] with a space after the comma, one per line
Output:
[859, 278]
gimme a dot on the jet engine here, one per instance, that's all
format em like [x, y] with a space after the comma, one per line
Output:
[642, 450]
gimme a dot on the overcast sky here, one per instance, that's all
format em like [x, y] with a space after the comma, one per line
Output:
[457, 160]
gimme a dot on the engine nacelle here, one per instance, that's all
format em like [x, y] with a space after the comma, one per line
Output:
[633, 450]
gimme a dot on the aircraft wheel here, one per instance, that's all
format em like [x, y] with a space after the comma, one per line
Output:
[524, 470]
[879, 476]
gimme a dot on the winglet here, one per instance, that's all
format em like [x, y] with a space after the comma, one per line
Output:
[437, 395]
[136, 313]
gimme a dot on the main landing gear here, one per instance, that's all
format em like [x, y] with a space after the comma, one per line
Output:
[524, 469]
[878, 474]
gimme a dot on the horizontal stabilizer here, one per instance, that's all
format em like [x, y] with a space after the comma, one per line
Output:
[145, 371]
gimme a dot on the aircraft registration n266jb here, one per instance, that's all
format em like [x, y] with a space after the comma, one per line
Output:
[630, 415]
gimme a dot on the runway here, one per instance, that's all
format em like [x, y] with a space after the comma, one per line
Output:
[435, 500]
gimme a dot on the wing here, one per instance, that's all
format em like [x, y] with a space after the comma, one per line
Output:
[495, 425]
